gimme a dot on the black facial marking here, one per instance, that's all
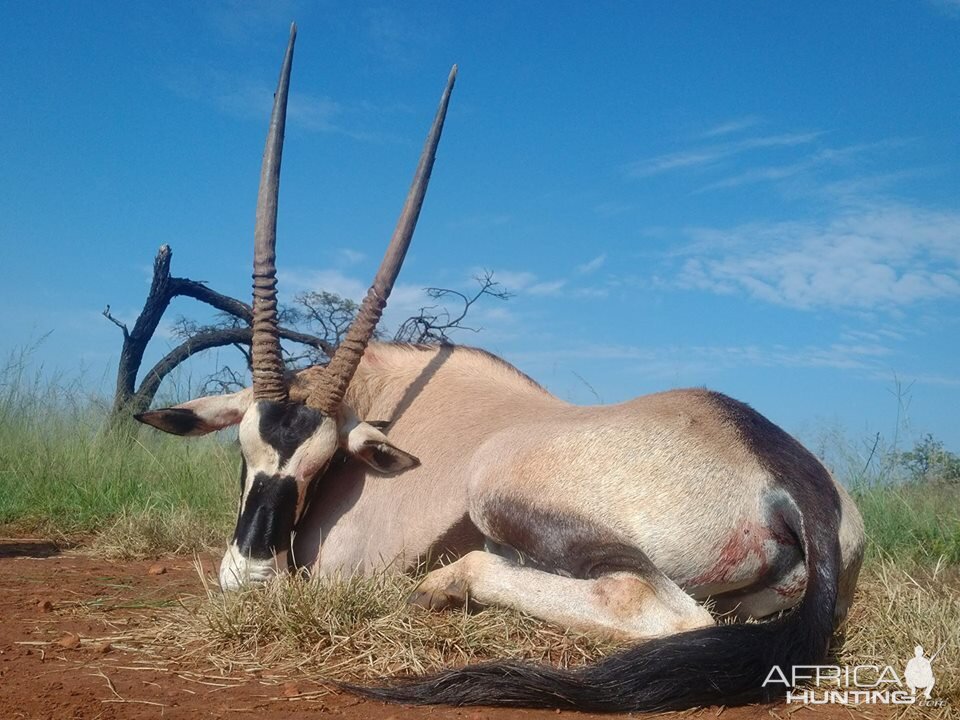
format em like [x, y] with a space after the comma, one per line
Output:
[264, 526]
[286, 425]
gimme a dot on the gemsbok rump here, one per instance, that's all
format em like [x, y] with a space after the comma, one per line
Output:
[611, 519]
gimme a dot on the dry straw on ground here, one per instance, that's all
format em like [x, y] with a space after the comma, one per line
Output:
[148, 532]
[899, 608]
[361, 629]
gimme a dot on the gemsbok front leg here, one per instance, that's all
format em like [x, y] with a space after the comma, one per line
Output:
[564, 567]
[624, 605]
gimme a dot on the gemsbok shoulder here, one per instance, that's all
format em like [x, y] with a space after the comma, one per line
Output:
[610, 519]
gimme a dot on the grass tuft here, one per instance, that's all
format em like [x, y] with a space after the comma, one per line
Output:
[360, 629]
[899, 607]
[151, 531]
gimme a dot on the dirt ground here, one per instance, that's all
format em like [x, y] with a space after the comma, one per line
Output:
[56, 608]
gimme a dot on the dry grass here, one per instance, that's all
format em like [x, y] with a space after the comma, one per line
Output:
[361, 629]
[142, 533]
[356, 629]
[898, 608]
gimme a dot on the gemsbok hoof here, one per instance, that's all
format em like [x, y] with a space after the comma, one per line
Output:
[451, 596]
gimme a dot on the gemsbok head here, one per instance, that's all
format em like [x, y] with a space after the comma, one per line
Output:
[290, 427]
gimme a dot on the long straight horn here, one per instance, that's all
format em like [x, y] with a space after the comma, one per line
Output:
[329, 392]
[267, 360]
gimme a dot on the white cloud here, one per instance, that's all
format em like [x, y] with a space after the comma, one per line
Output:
[495, 313]
[852, 189]
[702, 360]
[871, 258]
[527, 283]
[252, 99]
[592, 265]
[405, 299]
[594, 293]
[546, 288]
[314, 113]
[711, 154]
[817, 160]
[873, 336]
[350, 257]
[291, 282]
[512, 281]
[733, 126]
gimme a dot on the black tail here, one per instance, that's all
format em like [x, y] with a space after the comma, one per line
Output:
[722, 664]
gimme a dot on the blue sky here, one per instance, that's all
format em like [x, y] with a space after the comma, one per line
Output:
[763, 198]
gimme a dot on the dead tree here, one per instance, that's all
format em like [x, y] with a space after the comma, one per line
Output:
[325, 316]
[128, 398]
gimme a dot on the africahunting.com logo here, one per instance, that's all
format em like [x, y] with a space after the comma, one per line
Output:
[859, 684]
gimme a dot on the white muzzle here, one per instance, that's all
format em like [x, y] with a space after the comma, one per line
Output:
[237, 570]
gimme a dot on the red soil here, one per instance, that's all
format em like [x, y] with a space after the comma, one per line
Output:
[53, 666]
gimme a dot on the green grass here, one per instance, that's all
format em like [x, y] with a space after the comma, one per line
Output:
[909, 499]
[911, 522]
[60, 475]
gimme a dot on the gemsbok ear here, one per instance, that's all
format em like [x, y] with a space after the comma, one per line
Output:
[201, 416]
[370, 445]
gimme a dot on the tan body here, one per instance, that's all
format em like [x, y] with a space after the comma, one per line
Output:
[664, 473]
[605, 519]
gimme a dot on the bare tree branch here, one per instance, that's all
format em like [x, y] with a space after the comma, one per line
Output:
[163, 288]
[223, 303]
[434, 323]
[198, 343]
[323, 316]
[225, 380]
[111, 318]
[328, 311]
[247, 355]
[135, 341]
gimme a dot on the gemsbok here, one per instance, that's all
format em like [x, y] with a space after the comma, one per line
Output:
[610, 519]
